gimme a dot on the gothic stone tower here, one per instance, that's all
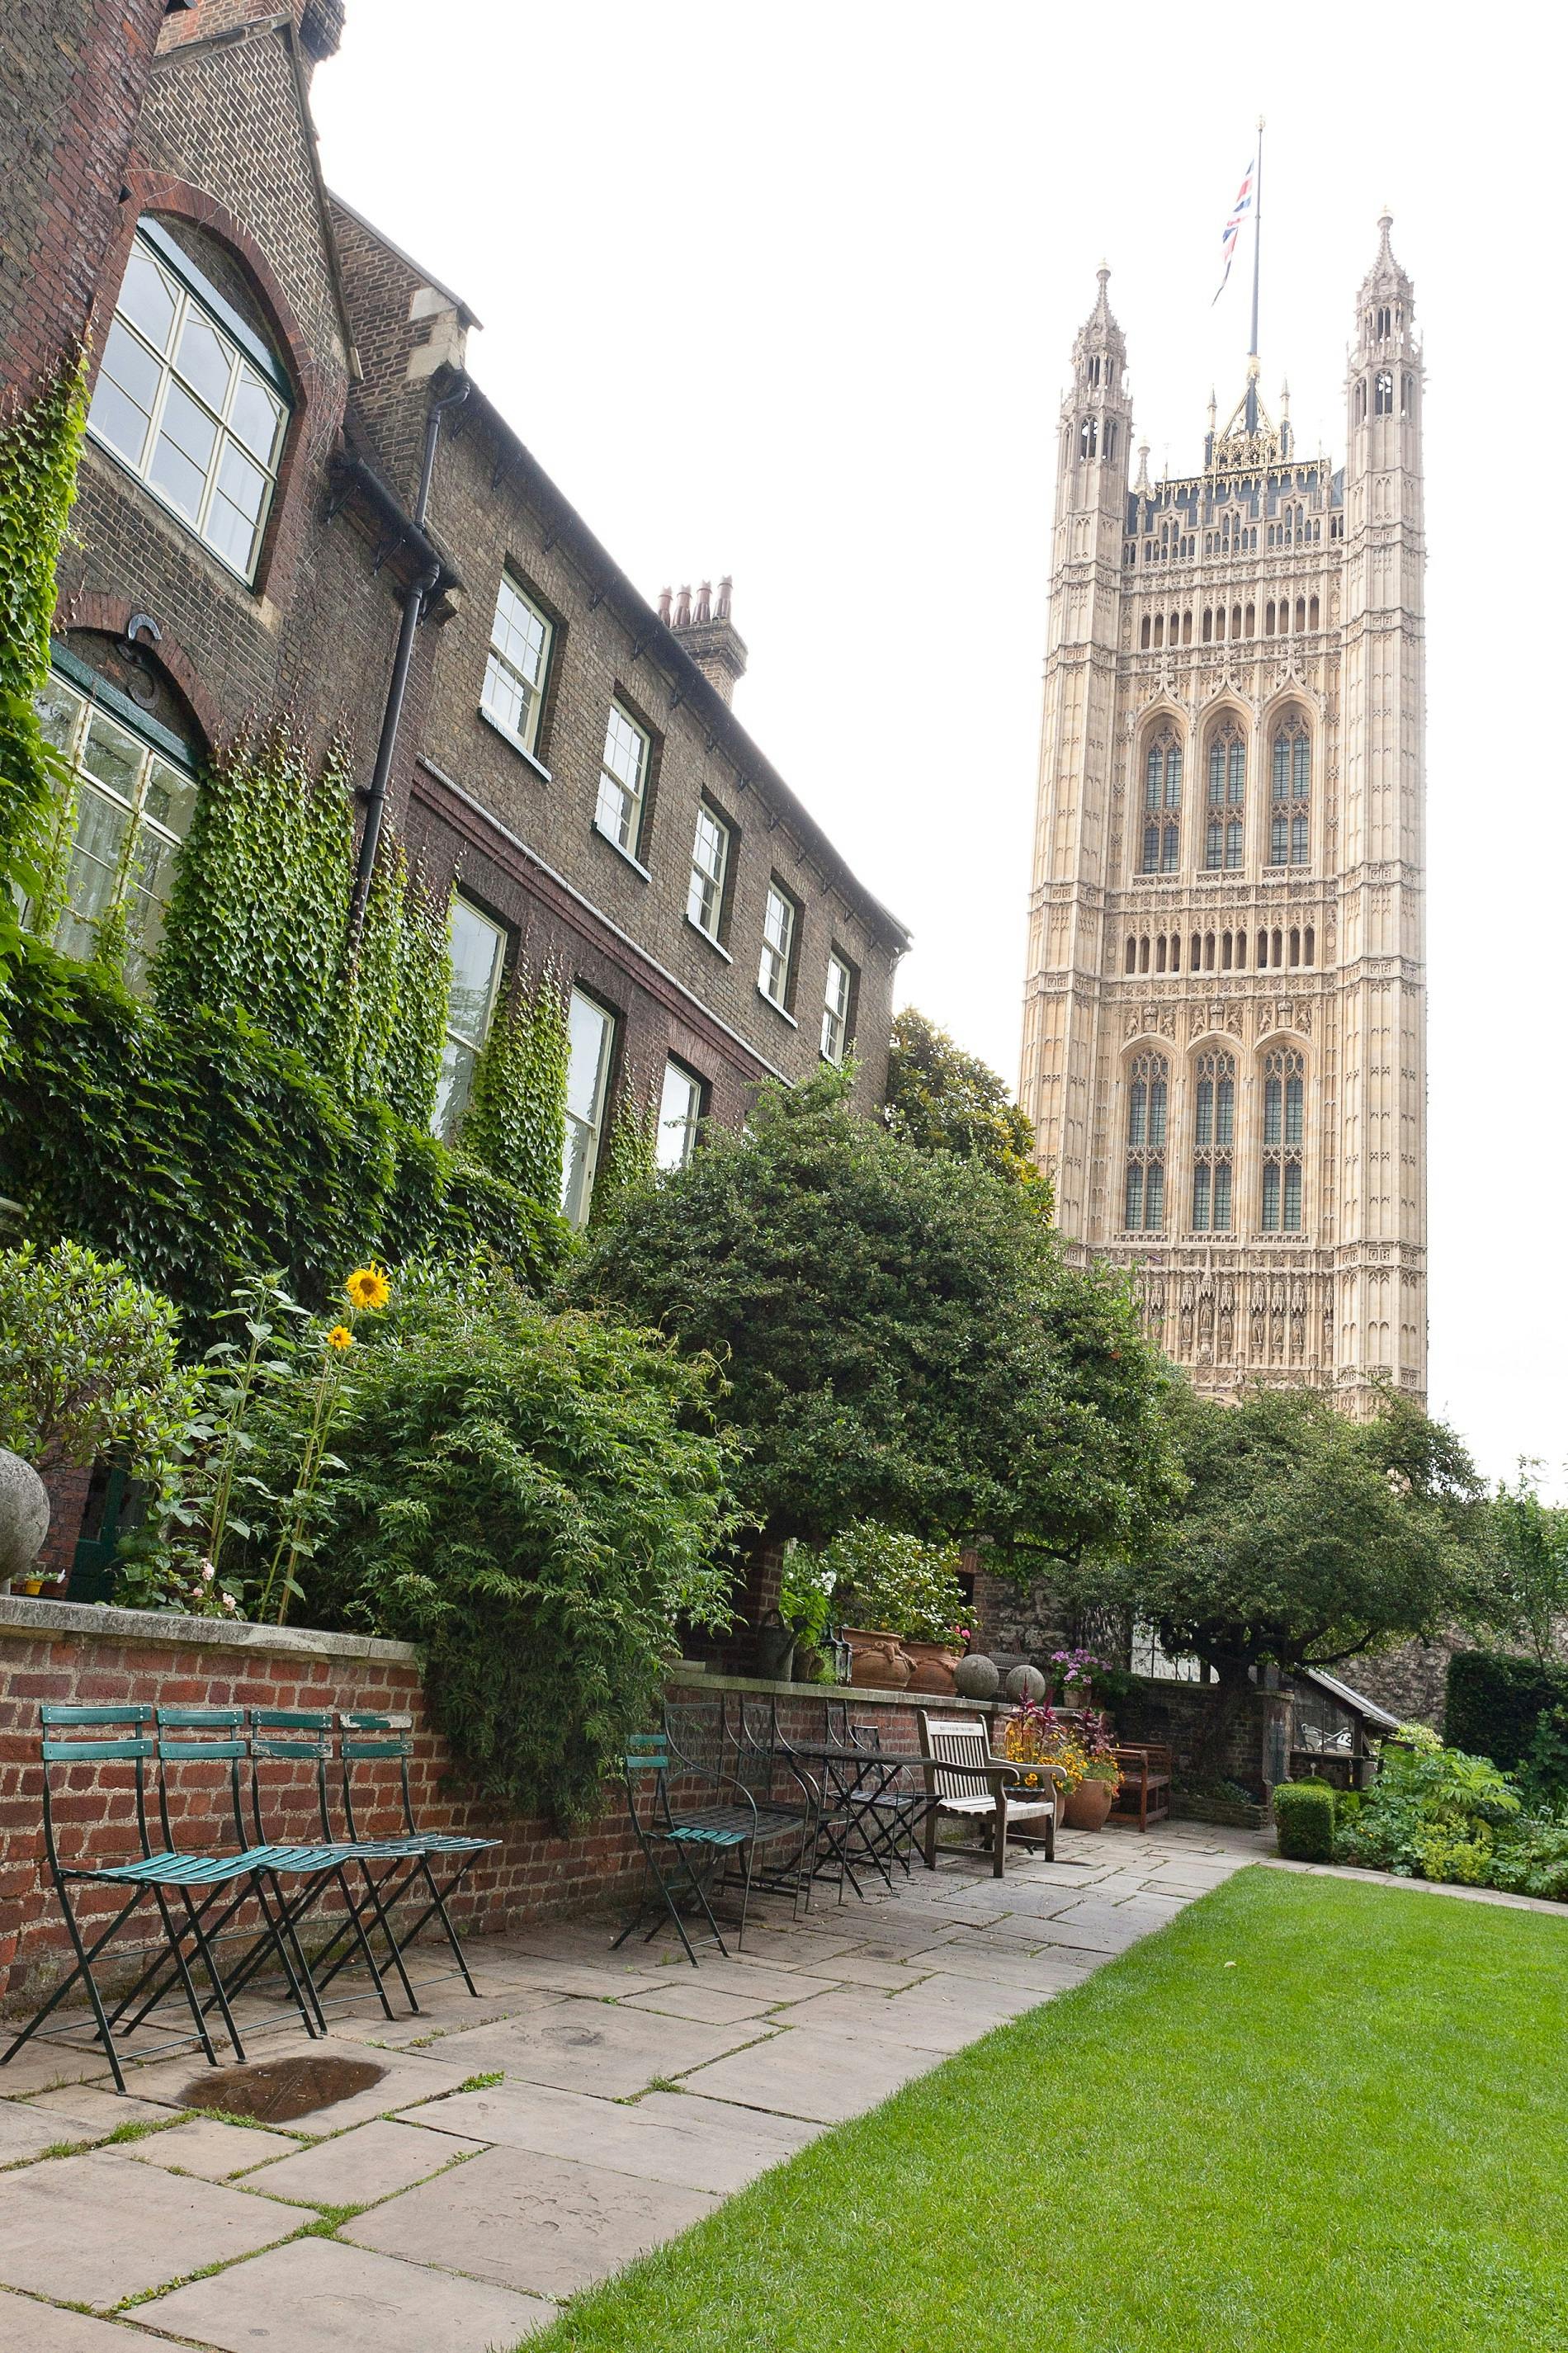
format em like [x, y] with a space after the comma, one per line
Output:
[1224, 1014]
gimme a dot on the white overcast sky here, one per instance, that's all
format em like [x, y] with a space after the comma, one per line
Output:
[789, 292]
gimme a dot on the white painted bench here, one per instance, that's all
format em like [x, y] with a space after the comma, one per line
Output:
[964, 1781]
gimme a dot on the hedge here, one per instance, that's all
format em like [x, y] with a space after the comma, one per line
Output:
[1304, 1817]
[1493, 1702]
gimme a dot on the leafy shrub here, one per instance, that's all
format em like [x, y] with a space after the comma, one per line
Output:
[894, 1583]
[87, 1361]
[1430, 1805]
[534, 1500]
[1533, 1859]
[1304, 1817]
[1494, 1704]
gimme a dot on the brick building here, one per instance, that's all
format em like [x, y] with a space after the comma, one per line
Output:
[295, 504]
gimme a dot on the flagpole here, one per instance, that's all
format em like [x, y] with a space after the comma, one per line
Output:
[1257, 251]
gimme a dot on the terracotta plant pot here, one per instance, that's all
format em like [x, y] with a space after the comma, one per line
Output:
[1089, 1805]
[878, 1661]
[935, 1666]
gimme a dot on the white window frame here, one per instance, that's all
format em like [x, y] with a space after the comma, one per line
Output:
[705, 892]
[463, 1045]
[150, 844]
[585, 1126]
[517, 669]
[250, 368]
[774, 969]
[836, 1006]
[679, 1115]
[618, 814]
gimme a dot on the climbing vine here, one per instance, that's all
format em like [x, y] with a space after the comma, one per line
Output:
[630, 1159]
[516, 1122]
[38, 449]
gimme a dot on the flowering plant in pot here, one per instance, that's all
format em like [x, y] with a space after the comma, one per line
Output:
[1072, 1673]
[1034, 1735]
[906, 1603]
[1091, 1798]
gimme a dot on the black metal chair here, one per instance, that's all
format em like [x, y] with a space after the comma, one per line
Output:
[683, 1849]
[374, 1741]
[786, 1793]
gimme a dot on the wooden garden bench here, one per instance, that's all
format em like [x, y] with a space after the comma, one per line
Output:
[963, 1781]
[1143, 1794]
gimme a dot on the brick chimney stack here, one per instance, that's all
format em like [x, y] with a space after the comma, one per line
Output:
[708, 634]
[318, 23]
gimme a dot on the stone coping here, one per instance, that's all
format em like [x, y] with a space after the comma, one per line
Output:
[23, 1614]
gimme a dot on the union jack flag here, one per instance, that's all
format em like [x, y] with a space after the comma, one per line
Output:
[1238, 213]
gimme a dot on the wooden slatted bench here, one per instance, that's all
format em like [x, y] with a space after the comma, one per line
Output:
[1144, 1793]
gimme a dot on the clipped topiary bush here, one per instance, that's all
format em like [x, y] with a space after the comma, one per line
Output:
[1304, 1818]
[1494, 1704]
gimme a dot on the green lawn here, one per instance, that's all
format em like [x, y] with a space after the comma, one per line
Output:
[1356, 2136]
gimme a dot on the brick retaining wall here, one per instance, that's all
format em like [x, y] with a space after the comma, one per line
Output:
[61, 1651]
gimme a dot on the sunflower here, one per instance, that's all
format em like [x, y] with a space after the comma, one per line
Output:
[340, 1337]
[367, 1287]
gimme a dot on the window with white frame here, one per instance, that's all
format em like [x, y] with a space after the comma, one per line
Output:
[591, 1037]
[132, 800]
[773, 972]
[679, 1115]
[191, 400]
[476, 959]
[836, 1002]
[710, 865]
[513, 691]
[623, 781]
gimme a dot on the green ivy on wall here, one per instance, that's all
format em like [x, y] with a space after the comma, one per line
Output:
[629, 1162]
[516, 1122]
[196, 1151]
[38, 449]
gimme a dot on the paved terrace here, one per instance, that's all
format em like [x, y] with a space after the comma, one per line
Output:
[520, 2148]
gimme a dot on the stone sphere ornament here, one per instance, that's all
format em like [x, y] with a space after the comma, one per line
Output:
[23, 1515]
[976, 1677]
[1026, 1683]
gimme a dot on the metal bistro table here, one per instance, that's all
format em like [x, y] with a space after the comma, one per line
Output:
[861, 1815]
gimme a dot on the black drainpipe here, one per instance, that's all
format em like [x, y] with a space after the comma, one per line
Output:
[415, 597]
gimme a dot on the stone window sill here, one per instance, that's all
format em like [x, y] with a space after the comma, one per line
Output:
[709, 939]
[634, 864]
[511, 740]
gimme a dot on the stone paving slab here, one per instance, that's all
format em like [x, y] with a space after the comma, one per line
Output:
[1042, 1974]
[94, 2229]
[905, 2018]
[98, 2109]
[666, 2137]
[29, 2326]
[410, 2075]
[359, 2168]
[710, 2005]
[320, 2295]
[823, 2077]
[429, 2027]
[539, 2224]
[217, 2152]
[25, 2130]
[589, 2046]
[40, 2066]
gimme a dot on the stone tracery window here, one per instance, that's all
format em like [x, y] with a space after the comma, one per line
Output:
[1289, 795]
[1284, 1117]
[1161, 846]
[1227, 798]
[1214, 1134]
[1147, 1095]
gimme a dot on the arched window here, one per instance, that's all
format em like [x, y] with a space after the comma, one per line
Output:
[1289, 792]
[1158, 630]
[1143, 952]
[1195, 952]
[1144, 633]
[1241, 951]
[117, 723]
[1361, 400]
[1208, 624]
[1162, 804]
[1175, 952]
[1284, 1116]
[1227, 798]
[1269, 619]
[192, 399]
[1088, 438]
[1311, 945]
[1407, 396]
[1131, 963]
[1250, 630]
[1160, 953]
[1382, 394]
[1109, 439]
[1208, 951]
[1295, 947]
[1313, 613]
[1214, 1132]
[1144, 1201]
[1262, 951]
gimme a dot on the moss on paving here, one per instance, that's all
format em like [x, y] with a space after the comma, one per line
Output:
[1308, 2113]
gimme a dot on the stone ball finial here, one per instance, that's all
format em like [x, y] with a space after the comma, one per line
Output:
[976, 1677]
[1026, 1683]
[23, 1515]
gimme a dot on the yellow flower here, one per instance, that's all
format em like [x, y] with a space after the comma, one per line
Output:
[340, 1337]
[367, 1287]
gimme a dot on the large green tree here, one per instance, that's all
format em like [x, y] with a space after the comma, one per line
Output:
[942, 1099]
[901, 1337]
[1525, 1597]
[1306, 1538]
